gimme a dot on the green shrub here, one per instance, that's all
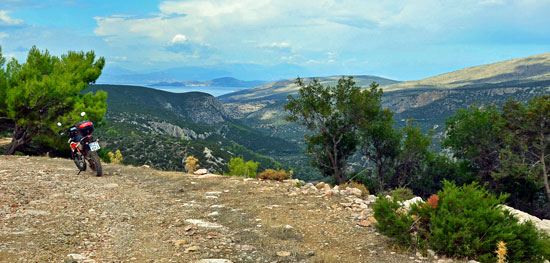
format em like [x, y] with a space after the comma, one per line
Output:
[238, 167]
[391, 222]
[463, 222]
[469, 223]
[401, 194]
[104, 155]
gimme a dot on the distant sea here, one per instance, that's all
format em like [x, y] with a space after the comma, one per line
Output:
[214, 91]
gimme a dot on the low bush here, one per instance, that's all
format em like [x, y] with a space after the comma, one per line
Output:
[391, 222]
[401, 194]
[237, 167]
[191, 164]
[270, 174]
[115, 157]
[462, 222]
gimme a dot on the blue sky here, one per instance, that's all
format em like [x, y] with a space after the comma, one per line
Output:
[275, 39]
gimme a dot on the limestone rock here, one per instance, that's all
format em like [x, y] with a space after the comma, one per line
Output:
[76, 256]
[201, 171]
[204, 224]
[213, 260]
[407, 204]
[209, 176]
[283, 254]
[353, 191]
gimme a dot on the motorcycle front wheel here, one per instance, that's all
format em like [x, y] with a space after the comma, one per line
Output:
[79, 161]
[95, 163]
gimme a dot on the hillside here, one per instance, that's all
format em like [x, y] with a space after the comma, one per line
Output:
[281, 89]
[49, 214]
[522, 70]
[161, 128]
[197, 107]
[429, 101]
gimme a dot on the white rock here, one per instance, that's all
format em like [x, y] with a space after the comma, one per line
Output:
[201, 171]
[215, 213]
[201, 223]
[522, 216]
[77, 256]
[407, 204]
[353, 191]
[545, 225]
[36, 212]
[211, 260]
[371, 198]
[209, 176]
[109, 186]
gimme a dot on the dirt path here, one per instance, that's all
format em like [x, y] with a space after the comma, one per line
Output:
[49, 214]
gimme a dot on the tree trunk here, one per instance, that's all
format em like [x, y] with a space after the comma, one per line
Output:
[545, 174]
[20, 138]
[339, 176]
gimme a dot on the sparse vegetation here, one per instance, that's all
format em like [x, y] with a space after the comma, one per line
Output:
[191, 164]
[271, 174]
[116, 157]
[401, 194]
[238, 167]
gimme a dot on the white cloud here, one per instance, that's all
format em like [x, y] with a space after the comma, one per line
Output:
[3, 35]
[178, 39]
[320, 31]
[281, 45]
[6, 20]
[121, 58]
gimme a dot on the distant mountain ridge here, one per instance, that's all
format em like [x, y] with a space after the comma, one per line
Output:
[520, 70]
[281, 89]
[428, 101]
[218, 82]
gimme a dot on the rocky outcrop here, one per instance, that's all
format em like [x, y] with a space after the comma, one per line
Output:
[174, 130]
[541, 224]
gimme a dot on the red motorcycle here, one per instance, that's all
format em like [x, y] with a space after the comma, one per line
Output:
[84, 146]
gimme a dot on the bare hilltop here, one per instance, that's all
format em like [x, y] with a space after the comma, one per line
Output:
[48, 213]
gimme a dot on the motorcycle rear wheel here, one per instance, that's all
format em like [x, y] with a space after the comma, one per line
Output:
[95, 163]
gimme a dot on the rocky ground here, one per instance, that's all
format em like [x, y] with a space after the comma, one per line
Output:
[131, 214]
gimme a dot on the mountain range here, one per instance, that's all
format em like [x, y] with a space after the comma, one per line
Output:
[161, 128]
[218, 82]
[428, 101]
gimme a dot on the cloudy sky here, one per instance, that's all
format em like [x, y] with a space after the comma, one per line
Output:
[274, 39]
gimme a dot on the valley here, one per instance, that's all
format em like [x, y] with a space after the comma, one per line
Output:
[161, 128]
